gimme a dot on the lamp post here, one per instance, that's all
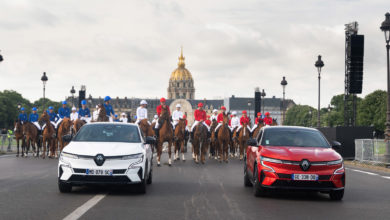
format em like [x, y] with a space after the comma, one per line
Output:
[44, 80]
[284, 84]
[262, 100]
[385, 27]
[319, 64]
[72, 91]
[311, 117]
[1, 57]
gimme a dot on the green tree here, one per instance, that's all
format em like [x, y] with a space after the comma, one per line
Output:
[48, 102]
[300, 115]
[372, 110]
[9, 112]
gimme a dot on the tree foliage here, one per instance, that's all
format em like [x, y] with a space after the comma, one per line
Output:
[372, 110]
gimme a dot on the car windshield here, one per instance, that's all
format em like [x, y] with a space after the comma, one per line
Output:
[293, 138]
[108, 133]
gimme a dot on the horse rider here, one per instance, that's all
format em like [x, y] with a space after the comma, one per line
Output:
[84, 112]
[220, 118]
[159, 110]
[244, 119]
[109, 110]
[214, 115]
[116, 119]
[208, 121]
[258, 121]
[74, 115]
[33, 118]
[200, 116]
[53, 117]
[176, 115]
[63, 112]
[235, 121]
[22, 116]
[142, 112]
[267, 119]
[123, 118]
[155, 119]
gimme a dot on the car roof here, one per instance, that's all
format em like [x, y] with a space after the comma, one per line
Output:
[289, 128]
[111, 123]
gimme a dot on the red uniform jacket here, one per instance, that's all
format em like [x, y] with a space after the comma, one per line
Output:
[268, 120]
[200, 115]
[159, 109]
[220, 118]
[244, 120]
[257, 120]
[208, 122]
[230, 122]
[186, 122]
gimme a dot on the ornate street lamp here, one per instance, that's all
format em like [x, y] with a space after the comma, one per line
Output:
[262, 100]
[44, 80]
[284, 84]
[1, 57]
[319, 64]
[385, 27]
[72, 91]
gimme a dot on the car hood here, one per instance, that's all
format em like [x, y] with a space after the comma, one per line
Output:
[300, 153]
[105, 148]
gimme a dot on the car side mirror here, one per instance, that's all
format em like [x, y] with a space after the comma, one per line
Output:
[336, 145]
[150, 140]
[251, 142]
[67, 137]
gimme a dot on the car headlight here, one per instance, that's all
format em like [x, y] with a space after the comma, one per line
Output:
[334, 162]
[340, 170]
[271, 160]
[68, 155]
[137, 158]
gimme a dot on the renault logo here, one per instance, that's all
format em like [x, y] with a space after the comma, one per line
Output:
[99, 159]
[305, 165]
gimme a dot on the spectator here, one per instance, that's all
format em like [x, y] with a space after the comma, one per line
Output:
[3, 138]
[9, 135]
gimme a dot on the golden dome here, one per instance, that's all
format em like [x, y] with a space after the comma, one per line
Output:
[181, 73]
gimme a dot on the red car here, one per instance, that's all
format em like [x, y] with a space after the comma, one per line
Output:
[294, 158]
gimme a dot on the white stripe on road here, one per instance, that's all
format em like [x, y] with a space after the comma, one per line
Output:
[369, 173]
[76, 214]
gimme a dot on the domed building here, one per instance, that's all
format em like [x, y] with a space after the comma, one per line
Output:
[181, 84]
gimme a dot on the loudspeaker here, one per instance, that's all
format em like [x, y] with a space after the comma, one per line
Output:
[257, 102]
[81, 97]
[356, 52]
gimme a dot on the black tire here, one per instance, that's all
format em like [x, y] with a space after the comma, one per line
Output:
[258, 190]
[64, 187]
[141, 187]
[247, 181]
[336, 195]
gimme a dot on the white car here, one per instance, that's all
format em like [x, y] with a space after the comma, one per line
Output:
[106, 153]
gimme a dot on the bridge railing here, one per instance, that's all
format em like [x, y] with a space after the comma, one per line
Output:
[370, 150]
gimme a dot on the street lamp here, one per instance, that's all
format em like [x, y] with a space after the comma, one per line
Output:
[311, 117]
[1, 57]
[72, 91]
[262, 99]
[44, 80]
[19, 106]
[284, 84]
[385, 27]
[319, 64]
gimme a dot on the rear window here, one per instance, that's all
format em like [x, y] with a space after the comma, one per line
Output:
[108, 133]
[293, 138]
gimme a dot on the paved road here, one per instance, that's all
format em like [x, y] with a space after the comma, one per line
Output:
[28, 190]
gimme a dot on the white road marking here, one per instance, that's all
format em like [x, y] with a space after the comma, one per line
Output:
[369, 173]
[76, 214]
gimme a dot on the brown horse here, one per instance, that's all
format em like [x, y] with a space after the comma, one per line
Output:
[146, 128]
[180, 130]
[242, 139]
[257, 130]
[102, 116]
[48, 136]
[165, 135]
[31, 134]
[64, 129]
[77, 124]
[19, 136]
[200, 142]
[223, 139]
[214, 141]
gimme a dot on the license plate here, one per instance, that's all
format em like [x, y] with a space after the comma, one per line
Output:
[98, 172]
[306, 177]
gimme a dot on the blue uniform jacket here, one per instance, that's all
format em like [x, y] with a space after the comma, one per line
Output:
[109, 109]
[33, 117]
[64, 112]
[53, 116]
[84, 112]
[23, 117]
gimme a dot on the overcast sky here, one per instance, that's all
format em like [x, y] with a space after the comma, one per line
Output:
[129, 48]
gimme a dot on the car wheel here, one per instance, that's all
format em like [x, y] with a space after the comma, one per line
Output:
[336, 194]
[247, 181]
[64, 187]
[258, 190]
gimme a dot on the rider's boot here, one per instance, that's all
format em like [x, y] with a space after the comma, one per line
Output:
[191, 137]
[157, 132]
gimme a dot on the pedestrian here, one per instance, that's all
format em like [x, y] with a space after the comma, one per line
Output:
[3, 138]
[9, 136]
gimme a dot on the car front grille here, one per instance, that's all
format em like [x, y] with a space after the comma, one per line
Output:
[303, 184]
[288, 176]
[99, 179]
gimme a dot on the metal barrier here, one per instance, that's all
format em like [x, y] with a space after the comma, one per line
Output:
[370, 150]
